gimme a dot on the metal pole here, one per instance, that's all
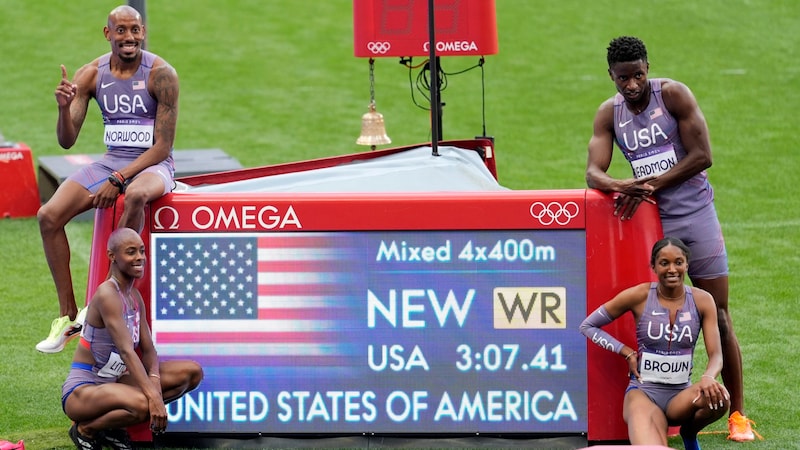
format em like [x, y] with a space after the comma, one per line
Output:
[433, 65]
[141, 6]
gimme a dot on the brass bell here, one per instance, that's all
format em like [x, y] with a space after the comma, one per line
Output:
[373, 131]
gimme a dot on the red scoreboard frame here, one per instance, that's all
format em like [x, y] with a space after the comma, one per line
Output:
[616, 253]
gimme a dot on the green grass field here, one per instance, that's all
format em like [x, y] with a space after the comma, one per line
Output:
[273, 81]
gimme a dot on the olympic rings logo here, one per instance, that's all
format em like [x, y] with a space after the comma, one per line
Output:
[554, 212]
[379, 47]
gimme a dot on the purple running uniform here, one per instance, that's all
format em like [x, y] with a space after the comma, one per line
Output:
[129, 113]
[666, 348]
[108, 365]
[651, 143]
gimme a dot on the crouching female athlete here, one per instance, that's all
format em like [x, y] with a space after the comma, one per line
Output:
[669, 316]
[109, 386]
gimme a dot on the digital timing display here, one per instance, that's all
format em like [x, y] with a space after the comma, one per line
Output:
[400, 28]
[375, 331]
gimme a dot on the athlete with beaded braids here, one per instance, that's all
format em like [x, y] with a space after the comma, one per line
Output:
[661, 131]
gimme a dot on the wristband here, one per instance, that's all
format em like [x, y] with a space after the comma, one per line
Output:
[117, 182]
[155, 375]
[633, 352]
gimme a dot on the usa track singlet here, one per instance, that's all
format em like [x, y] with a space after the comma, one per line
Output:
[666, 349]
[651, 143]
[108, 363]
[128, 109]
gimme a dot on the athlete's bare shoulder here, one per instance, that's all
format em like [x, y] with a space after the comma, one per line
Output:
[86, 77]
[604, 117]
[678, 98]
[674, 89]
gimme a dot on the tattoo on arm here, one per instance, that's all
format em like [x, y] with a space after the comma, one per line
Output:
[164, 82]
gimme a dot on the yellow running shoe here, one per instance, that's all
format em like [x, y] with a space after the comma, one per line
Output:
[739, 428]
[62, 330]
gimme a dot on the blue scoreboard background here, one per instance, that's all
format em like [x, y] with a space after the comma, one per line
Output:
[441, 331]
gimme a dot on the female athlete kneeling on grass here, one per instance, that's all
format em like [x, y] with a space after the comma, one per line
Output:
[669, 316]
[109, 387]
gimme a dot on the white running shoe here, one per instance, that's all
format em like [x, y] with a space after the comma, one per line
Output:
[62, 330]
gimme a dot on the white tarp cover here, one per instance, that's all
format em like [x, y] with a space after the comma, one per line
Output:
[415, 170]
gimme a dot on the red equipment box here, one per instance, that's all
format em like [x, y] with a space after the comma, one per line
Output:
[18, 192]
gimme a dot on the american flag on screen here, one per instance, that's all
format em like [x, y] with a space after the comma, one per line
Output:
[280, 299]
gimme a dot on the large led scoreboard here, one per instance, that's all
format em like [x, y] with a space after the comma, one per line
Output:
[389, 313]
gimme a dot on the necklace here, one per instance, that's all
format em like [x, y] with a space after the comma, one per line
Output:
[116, 280]
[661, 293]
[126, 299]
